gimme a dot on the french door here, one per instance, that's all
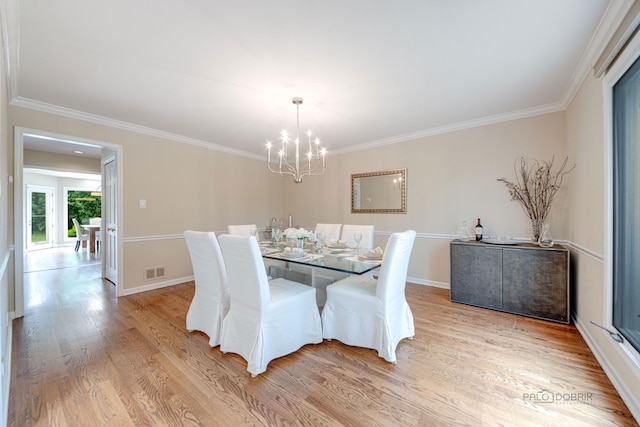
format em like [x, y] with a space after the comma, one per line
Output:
[39, 217]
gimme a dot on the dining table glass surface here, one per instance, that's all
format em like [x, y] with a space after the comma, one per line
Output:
[343, 259]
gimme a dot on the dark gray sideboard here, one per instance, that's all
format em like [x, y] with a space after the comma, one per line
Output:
[522, 279]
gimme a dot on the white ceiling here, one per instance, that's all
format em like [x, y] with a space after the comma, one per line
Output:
[371, 72]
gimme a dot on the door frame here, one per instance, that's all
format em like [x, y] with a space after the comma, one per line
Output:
[19, 206]
[49, 217]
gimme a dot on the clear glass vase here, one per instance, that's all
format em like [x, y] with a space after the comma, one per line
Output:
[545, 239]
[536, 229]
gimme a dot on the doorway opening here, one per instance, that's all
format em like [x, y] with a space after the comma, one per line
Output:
[54, 145]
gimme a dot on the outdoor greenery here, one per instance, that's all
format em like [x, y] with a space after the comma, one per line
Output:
[38, 217]
[82, 205]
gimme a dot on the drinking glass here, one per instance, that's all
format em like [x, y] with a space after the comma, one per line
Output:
[319, 240]
[358, 238]
[277, 235]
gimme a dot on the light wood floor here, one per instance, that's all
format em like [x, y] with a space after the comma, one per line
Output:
[82, 357]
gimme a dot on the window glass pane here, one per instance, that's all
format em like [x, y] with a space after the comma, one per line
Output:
[38, 217]
[82, 205]
[626, 205]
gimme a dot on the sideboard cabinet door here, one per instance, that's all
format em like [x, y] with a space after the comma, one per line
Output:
[476, 275]
[535, 283]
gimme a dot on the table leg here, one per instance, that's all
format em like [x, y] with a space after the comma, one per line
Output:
[92, 239]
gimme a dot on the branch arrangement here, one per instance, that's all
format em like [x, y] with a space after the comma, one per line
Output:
[535, 186]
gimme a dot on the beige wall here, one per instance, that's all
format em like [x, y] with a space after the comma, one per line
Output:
[450, 178]
[587, 230]
[185, 186]
[60, 162]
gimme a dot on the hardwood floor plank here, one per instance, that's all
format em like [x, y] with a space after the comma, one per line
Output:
[82, 356]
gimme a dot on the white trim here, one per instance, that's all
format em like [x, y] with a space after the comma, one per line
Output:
[454, 127]
[7, 345]
[157, 285]
[431, 283]
[584, 251]
[150, 238]
[118, 124]
[632, 401]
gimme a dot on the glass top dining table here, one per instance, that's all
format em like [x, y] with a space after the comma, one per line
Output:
[343, 260]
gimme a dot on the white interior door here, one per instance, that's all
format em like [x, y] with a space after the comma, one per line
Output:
[39, 217]
[110, 217]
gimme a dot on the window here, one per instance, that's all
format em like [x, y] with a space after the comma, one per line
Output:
[626, 205]
[81, 205]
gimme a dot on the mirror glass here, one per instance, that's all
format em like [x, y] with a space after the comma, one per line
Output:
[379, 192]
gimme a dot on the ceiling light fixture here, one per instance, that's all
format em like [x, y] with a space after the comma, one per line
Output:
[298, 168]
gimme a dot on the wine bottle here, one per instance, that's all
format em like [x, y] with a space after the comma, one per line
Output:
[478, 230]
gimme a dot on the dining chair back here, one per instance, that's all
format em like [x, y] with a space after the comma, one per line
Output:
[80, 236]
[243, 230]
[365, 312]
[98, 233]
[367, 231]
[267, 318]
[331, 231]
[210, 303]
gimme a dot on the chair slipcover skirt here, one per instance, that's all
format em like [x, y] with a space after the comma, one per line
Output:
[382, 330]
[267, 318]
[210, 303]
[373, 313]
[288, 323]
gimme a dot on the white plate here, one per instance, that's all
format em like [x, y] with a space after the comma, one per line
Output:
[293, 255]
[337, 245]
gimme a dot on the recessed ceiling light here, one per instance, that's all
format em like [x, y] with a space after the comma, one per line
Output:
[78, 152]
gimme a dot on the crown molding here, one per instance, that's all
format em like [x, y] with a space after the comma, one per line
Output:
[483, 121]
[607, 26]
[611, 18]
[105, 121]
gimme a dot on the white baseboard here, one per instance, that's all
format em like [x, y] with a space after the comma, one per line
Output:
[429, 283]
[157, 285]
[619, 383]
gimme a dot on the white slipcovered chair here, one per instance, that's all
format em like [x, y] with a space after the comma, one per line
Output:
[370, 313]
[243, 230]
[267, 318]
[331, 231]
[98, 233]
[210, 302]
[80, 236]
[367, 231]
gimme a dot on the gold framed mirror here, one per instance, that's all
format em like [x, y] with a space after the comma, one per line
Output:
[379, 192]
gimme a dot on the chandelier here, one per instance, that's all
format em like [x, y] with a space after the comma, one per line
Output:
[313, 162]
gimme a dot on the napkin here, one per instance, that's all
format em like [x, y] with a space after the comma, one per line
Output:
[337, 243]
[375, 253]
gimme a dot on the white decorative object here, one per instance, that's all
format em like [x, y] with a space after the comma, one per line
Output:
[313, 162]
